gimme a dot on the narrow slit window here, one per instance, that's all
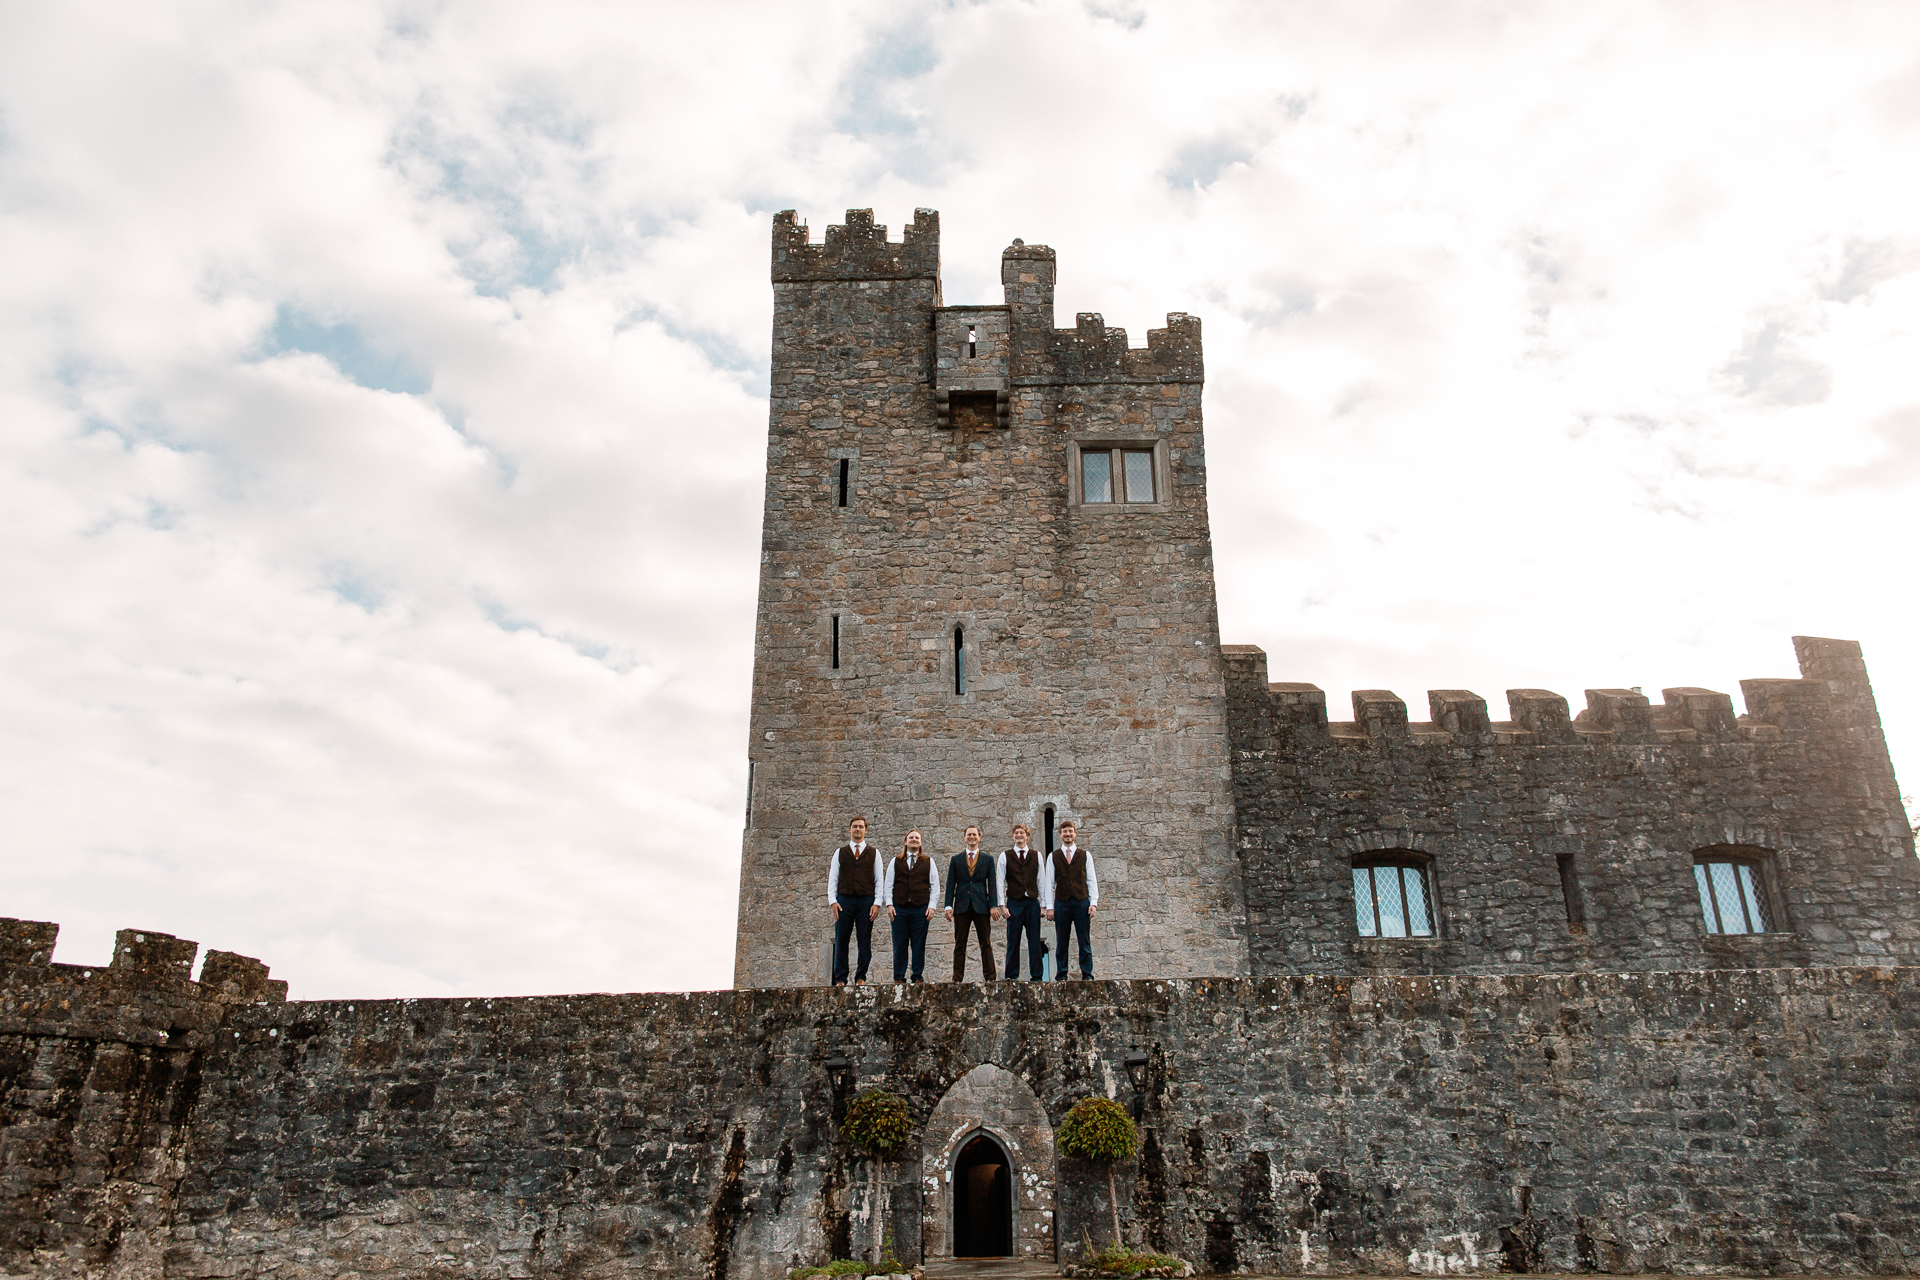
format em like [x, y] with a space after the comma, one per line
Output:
[1570, 892]
[959, 660]
[1096, 476]
[1046, 821]
[749, 793]
[1139, 469]
[973, 349]
[836, 642]
[846, 474]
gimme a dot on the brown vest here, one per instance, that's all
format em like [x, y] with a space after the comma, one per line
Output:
[856, 875]
[1023, 875]
[1069, 879]
[912, 886]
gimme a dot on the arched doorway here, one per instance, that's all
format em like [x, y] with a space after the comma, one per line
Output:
[988, 1121]
[982, 1200]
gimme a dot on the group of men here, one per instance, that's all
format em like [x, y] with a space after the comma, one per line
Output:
[1020, 885]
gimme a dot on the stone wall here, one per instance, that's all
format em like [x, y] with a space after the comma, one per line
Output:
[1091, 683]
[1624, 795]
[1730, 1120]
[100, 1074]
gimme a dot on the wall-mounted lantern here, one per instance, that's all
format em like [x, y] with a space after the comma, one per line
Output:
[840, 1083]
[1136, 1064]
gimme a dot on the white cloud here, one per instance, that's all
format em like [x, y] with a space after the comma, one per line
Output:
[383, 422]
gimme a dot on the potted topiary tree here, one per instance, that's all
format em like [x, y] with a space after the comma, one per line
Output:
[877, 1124]
[1100, 1130]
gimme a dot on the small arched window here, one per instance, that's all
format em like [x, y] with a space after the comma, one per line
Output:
[1393, 896]
[1733, 890]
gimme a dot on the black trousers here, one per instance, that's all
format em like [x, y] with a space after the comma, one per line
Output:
[909, 934]
[980, 922]
[853, 921]
[1070, 914]
[1023, 917]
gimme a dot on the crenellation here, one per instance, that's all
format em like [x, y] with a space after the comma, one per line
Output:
[1625, 713]
[1460, 713]
[1542, 713]
[1092, 354]
[856, 250]
[1706, 712]
[27, 942]
[1380, 714]
[1629, 792]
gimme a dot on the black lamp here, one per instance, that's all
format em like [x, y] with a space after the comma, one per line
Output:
[839, 1071]
[1136, 1064]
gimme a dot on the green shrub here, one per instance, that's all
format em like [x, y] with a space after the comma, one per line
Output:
[846, 1267]
[1122, 1261]
[1098, 1129]
[877, 1122]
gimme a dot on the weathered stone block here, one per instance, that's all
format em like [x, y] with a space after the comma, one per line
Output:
[27, 941]
[1706, 712]
[1380, 713]
[1541, 712]
[1461, 713]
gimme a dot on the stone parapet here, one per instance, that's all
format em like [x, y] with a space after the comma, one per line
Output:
[1558, 843]
[1306, 1124]
[857, 249]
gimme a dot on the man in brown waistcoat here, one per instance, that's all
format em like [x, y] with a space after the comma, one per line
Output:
[851, 892]
[1069, 895]
[1020, 903]
[907, 892]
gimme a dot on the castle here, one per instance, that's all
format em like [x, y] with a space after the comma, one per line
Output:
[986, 595]
[1631, 990]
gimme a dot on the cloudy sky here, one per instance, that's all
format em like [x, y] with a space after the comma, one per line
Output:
[382, 402]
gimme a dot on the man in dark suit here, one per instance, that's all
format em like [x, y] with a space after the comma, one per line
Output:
[973, 900]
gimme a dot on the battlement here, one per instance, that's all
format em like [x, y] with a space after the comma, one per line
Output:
[146, 967]
[1091, 353]
[1296, 714]
[857, 249]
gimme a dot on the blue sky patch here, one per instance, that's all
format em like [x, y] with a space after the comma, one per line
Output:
[349, 350]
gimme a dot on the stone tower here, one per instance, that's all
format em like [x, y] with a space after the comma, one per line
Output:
[986, 595]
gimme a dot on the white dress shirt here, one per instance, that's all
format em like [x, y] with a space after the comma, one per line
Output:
[933, 879]
[1070, 853]
[833, 870]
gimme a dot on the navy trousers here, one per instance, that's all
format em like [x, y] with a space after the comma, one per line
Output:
[1070, 914]
[909, 934]
[1023, 917]
[853, 920]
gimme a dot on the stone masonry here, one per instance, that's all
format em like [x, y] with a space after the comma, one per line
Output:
[922, 512]
[1557, 844]
[1759, 1121]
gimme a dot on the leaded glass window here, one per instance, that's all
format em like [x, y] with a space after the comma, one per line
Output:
[1139, 468]
[1112, 475]
[1392, 900]
[1096, 475]
[1732, 897]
